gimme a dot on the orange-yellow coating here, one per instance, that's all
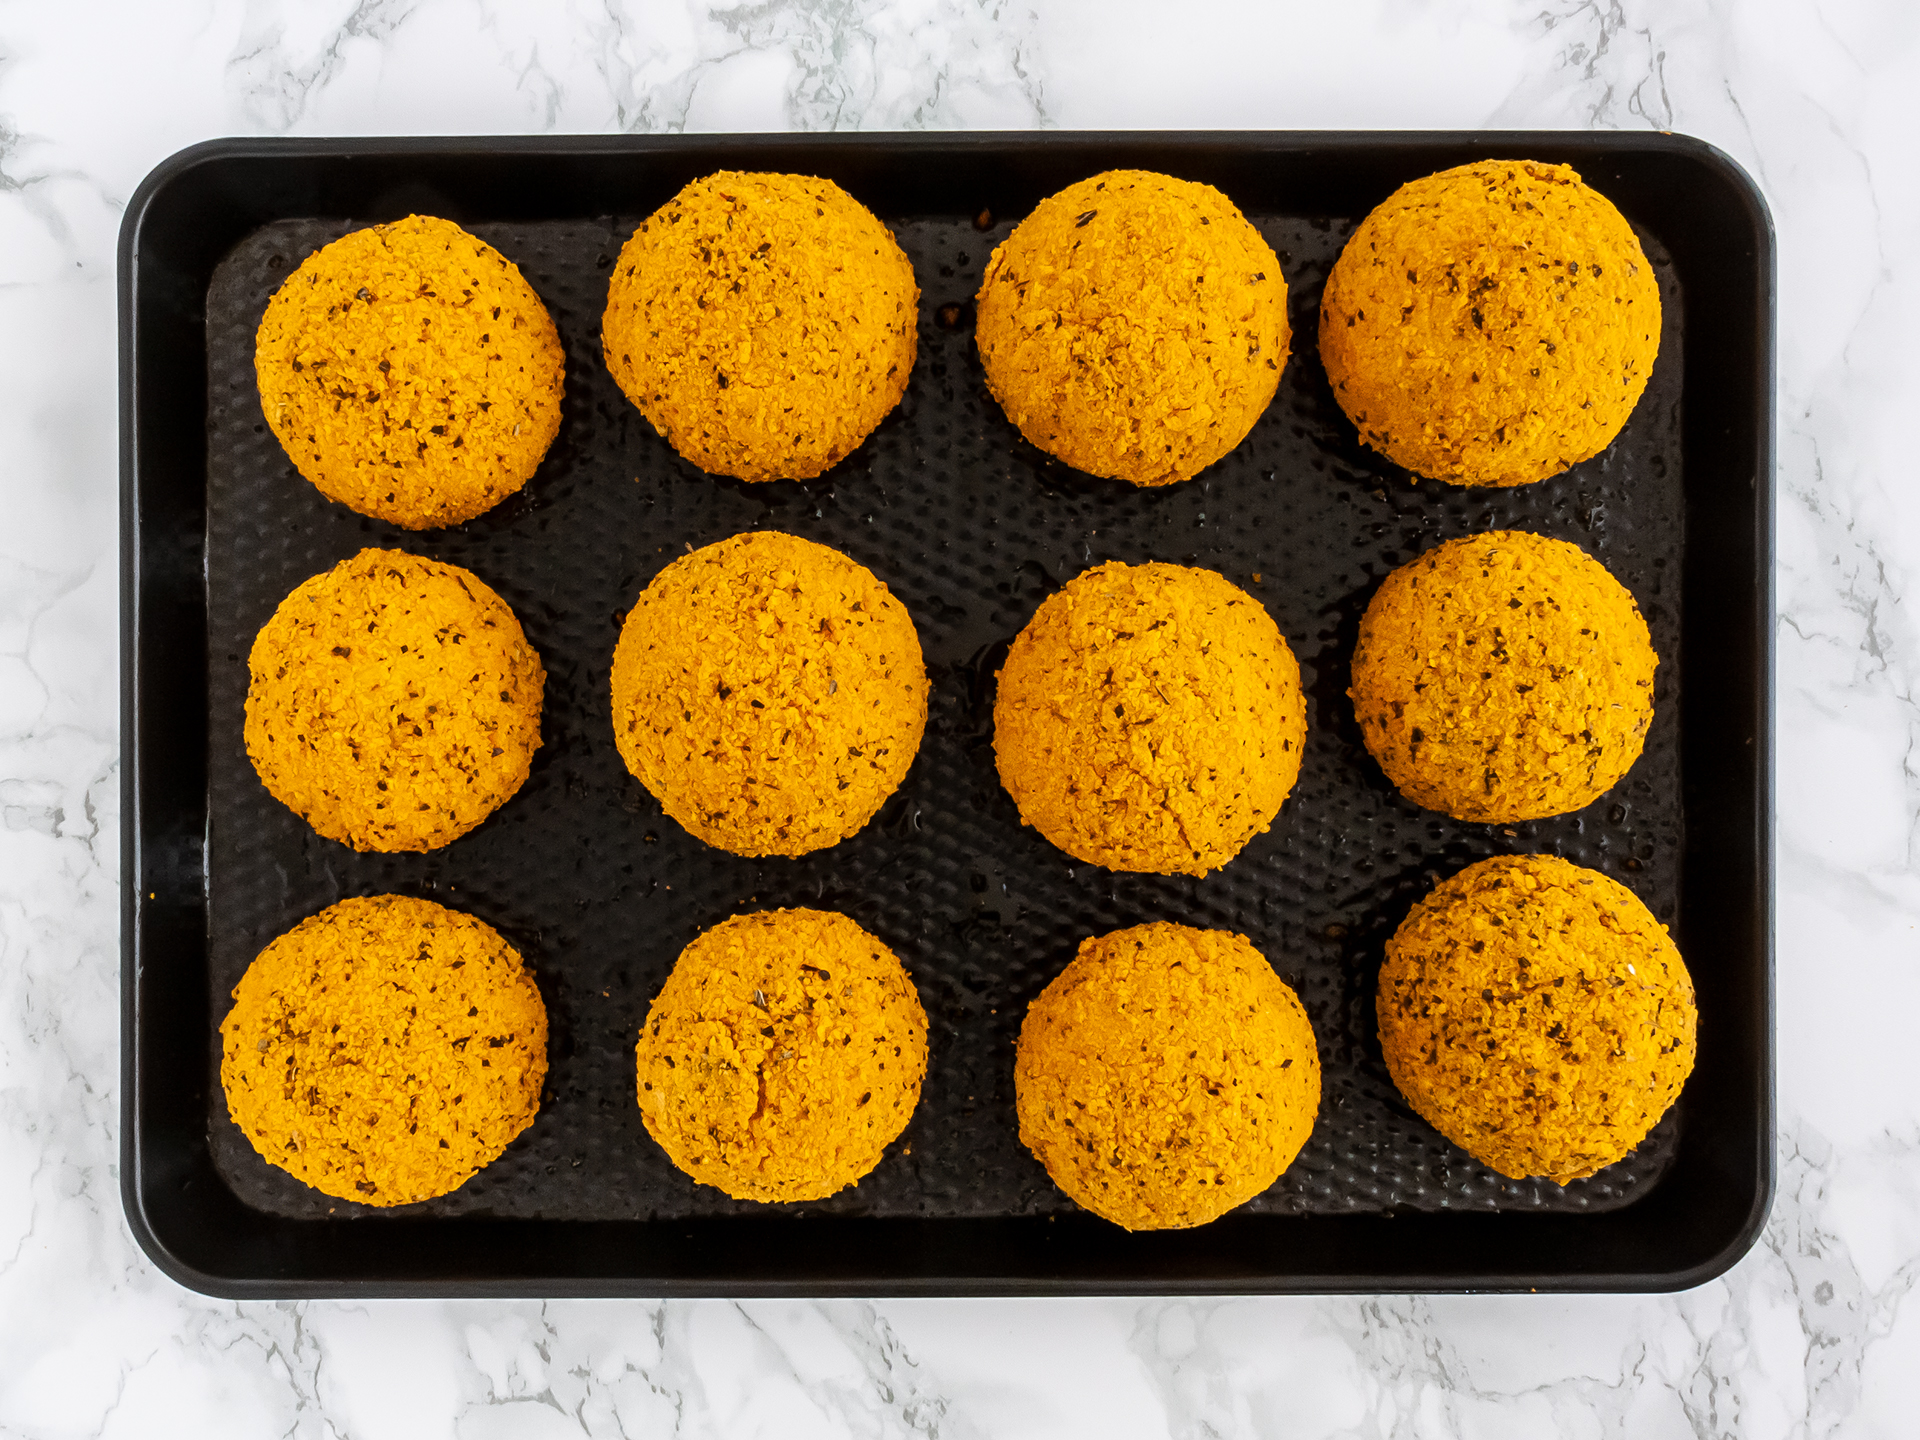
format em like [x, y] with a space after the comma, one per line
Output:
[411, 373]
[384, 1050]
[1537, 1015]
[783, 1055]
[770, 692]
[1503, 677]
[764, 324]
[393, 702]
[1166, 1076]
[1134, 326]
[1150, 718]
[1492, 324]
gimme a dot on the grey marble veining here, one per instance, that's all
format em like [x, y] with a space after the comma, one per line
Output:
[1814, 1334]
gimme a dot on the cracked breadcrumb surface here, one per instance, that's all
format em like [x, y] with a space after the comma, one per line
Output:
[411, 372]
[384, 1050]
[1537, 1015]
[1150, 718]
[393, 702]
[1493, 324]
[783, 1055]
[1503, 676]
[764, 324]
[770, 692]
[1166, 1076]
[1134, 326]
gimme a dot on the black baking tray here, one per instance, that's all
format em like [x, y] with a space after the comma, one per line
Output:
[972, 528]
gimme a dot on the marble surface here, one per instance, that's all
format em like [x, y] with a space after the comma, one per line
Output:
[1816, 1333]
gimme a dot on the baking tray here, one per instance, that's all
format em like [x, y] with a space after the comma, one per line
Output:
[972, 528]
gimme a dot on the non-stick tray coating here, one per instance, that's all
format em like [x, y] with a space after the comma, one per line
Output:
[972, 528]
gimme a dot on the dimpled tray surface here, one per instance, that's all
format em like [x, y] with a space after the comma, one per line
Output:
[971, 528]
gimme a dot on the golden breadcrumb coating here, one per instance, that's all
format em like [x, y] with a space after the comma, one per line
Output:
[783, 1055]
[1493, 324]
[1537, 1015]
[411, 373]
[1503, 677]
[393, 702]
[384, 1050]
[764, 324]
[1150, 718]
[1166, 1076]
[1134, 326]
[770, 693]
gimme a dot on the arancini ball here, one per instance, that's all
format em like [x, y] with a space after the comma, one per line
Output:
[1134, 326]
[769, 692]
[1493, 324]
[764, 324]
[782, 1056]
[384, 1050]
[1503, 676]
[1150, 718]
[1166, 1076]
[411, 372]
[1537, 1015]
[393, 702]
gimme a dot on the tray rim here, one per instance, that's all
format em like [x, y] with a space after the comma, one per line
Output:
[141, 926]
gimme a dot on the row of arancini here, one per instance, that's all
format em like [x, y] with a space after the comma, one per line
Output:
[388, 1048]
[1493, 324]
[771, 693]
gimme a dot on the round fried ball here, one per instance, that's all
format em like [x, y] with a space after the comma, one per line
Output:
[770, 693]
[783, 1055]
[1150, 718]
[393, 702]
[764, 324]
[1492, 324]
[1537, 1015]
[384, 1050]
[1166, 1076]
[1503, 677]
[1134, 326]
[411, 373]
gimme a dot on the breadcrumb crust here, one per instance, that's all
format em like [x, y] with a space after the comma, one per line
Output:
[1537, 1015]
[1149, 718]
[393, 702]
[1166, 1076]
[782, 1056]
[1502, 677]
[1493, 324]
[411, 372]
[770, 692]
[1134, 326]
[384, 1050]
[764, 324]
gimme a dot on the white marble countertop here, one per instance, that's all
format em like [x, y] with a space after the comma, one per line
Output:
[1813, 1334]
